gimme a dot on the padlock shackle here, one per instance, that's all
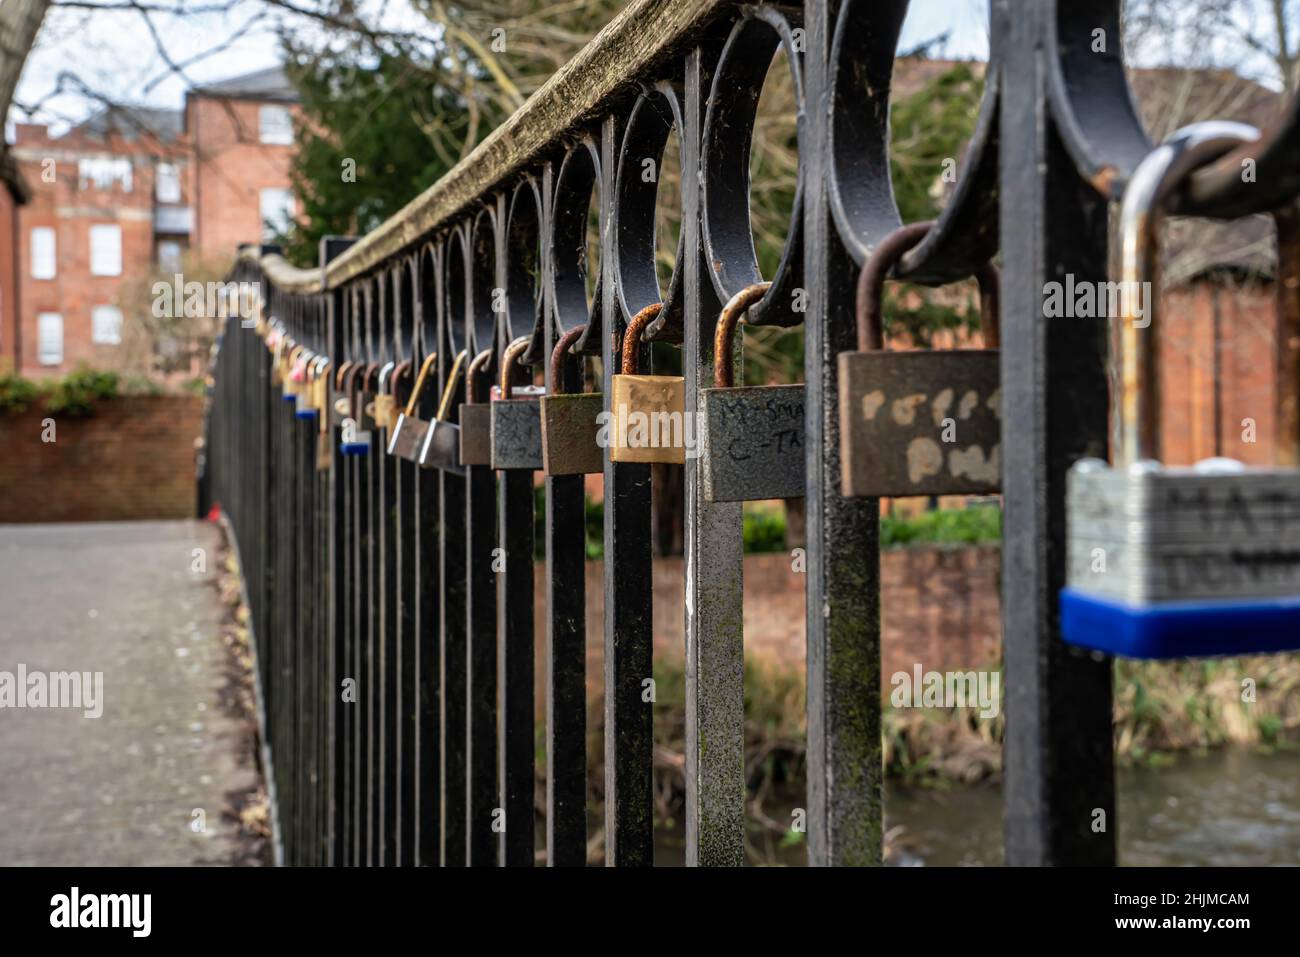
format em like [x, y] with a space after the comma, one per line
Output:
[871, 289]
[444, 406]
[632, 336]
[724, 334]
[414, 397]
[401, 372]
[1135, 347]
[472, 373]
[340, 373]
[513, 351]
[558, 355]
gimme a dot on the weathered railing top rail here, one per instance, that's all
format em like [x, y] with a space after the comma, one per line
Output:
[608, 67]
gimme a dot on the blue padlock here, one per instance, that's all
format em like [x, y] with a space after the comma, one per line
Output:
[1173, 562]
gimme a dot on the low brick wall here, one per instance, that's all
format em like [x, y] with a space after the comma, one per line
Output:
[940, 609]
[132, 458]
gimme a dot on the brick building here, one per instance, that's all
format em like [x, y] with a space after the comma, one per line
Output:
[135, 192]
[13, 194]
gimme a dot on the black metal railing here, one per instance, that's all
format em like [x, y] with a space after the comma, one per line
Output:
[394, 640]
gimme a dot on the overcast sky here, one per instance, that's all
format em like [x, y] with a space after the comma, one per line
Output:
[113, 54]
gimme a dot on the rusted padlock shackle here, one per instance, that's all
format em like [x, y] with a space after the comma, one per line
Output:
[871, 289]
[513, 351]
[632, 337]
[558, 354]
[725, 333]
[476, 366]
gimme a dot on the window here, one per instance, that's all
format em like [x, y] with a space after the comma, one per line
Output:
[167, 183]
[169, 255]
[105, 250]
[42, 252]
[274, 125]
[277, 211]
[104, 172]
[49, 338]
[106, 325]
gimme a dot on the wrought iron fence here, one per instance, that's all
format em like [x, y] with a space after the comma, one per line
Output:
[393, 604]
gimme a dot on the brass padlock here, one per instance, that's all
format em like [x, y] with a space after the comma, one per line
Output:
[516, 422]
[406, 438]
[384, 405]
[570, 421]
[305, 397]
[475, 417]
[752, 439]
[924, 422]
[324, 447]
[647, 412]
[441, 449]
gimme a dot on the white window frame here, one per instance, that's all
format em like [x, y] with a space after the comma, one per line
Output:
[49, 328]
[167, 183]
[106, 325]
[285, 210]
[180, 255]
[44, 253]
[105, 261]
[274, 125]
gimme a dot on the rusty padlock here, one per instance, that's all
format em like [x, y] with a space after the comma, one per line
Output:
[516, 423]
[570, 421]
[475, 417]
[925, 422]
[441, 449]
[647, 412]
[406, 438]
[752, 439]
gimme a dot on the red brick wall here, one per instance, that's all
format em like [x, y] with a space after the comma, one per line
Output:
[1207, 392]
[8, 276]
[232, 167]
[133, 458]
[940, 609]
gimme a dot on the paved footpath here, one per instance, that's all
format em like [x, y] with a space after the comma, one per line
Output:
[123, 788]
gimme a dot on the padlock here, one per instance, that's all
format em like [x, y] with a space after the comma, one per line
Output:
[324, 447]
[752, 439]
[441, 449]
[1162, 561]
[647, 412]
[340, 406]
[407, 435]
[382, 402]
[475, 417]
[920, 422]
[516, 423]
[570, 421]
[356, 436]
[305, 395]
[293, 370]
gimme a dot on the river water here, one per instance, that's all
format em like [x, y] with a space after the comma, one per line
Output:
[1230, 807]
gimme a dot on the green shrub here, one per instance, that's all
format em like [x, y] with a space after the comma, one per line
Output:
[956, 526]
[764, 529]
[16, 393]
[78, 391]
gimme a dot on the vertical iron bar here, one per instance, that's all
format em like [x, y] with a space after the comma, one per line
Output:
[629, 739]
[843, 560]
[1058, 751]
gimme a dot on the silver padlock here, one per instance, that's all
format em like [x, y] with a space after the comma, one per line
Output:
[1173, 561]
[516, 422]
[753, 438]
